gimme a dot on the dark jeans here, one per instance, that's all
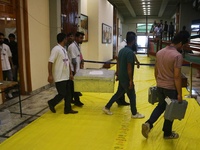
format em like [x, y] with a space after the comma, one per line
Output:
[15, 72]
[7, 75]
[121, 100]
[74, 94]
[63, 89]
[160, 108]
[122, 89]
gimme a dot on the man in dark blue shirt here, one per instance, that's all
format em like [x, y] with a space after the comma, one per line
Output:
[125, 70]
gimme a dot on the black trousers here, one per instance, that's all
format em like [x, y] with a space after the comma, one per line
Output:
[63, 89]
[162, 94]
[74, 94]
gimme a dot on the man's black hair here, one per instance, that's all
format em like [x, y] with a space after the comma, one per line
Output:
[1, 34]
[11, 35]
[130, 37]
[79, 33]
[70, 34]
[180, 37]
[61, 37]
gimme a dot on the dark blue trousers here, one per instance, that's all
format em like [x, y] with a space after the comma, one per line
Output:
[162, 94]
[122, 89]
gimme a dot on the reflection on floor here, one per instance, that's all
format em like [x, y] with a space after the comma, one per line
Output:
[35, 106]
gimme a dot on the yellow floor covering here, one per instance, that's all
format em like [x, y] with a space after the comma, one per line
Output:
[91, 129]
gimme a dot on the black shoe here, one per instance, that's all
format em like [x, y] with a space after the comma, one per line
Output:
[80, 94]
[73, 101]
[51, 107]
[123, 103]
[71, 112]
[78, 103]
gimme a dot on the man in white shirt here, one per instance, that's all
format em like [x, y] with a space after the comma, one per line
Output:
[122, 45]
[6, 62]
[6, 59]
[77, 62]
[60, 73]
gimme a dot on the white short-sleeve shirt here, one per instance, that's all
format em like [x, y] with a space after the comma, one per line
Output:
[60, 60]
[74, 53]
[5, 54]
[122, 45]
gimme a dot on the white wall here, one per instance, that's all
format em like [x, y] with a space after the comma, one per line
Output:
[105, 16]
[98, 12]
[39, 39]
[55, 20]
[84, 47]
[93, 35]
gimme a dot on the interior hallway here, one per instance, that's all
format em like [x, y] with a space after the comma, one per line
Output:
[91, 129]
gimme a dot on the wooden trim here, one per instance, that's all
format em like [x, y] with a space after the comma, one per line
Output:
[27, 47]
[19, 43]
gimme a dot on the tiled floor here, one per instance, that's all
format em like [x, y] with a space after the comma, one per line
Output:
[35, 105]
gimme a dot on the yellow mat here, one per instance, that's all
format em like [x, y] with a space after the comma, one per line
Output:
[91, 129]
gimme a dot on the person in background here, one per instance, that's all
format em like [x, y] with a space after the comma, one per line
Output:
[154, 25]
[165, 31]
[169, 84]
[185, 32]
[171, 31]
[6, 41]
[60, 72]
[70, 39]
[6, 62]
[14, 50]
[162, 28]
[158, 31]
[77, 62]
[125, 71]
[187, 35]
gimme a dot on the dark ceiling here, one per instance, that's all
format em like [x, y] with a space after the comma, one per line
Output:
[153, 8]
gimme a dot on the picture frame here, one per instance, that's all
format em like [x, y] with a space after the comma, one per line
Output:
[84, 26]
[106, 34]
[119, 32]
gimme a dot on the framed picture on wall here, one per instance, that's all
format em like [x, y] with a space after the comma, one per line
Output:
[84, 26]
[106, 33]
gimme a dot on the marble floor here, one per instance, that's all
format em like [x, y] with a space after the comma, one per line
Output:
[35, 105]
